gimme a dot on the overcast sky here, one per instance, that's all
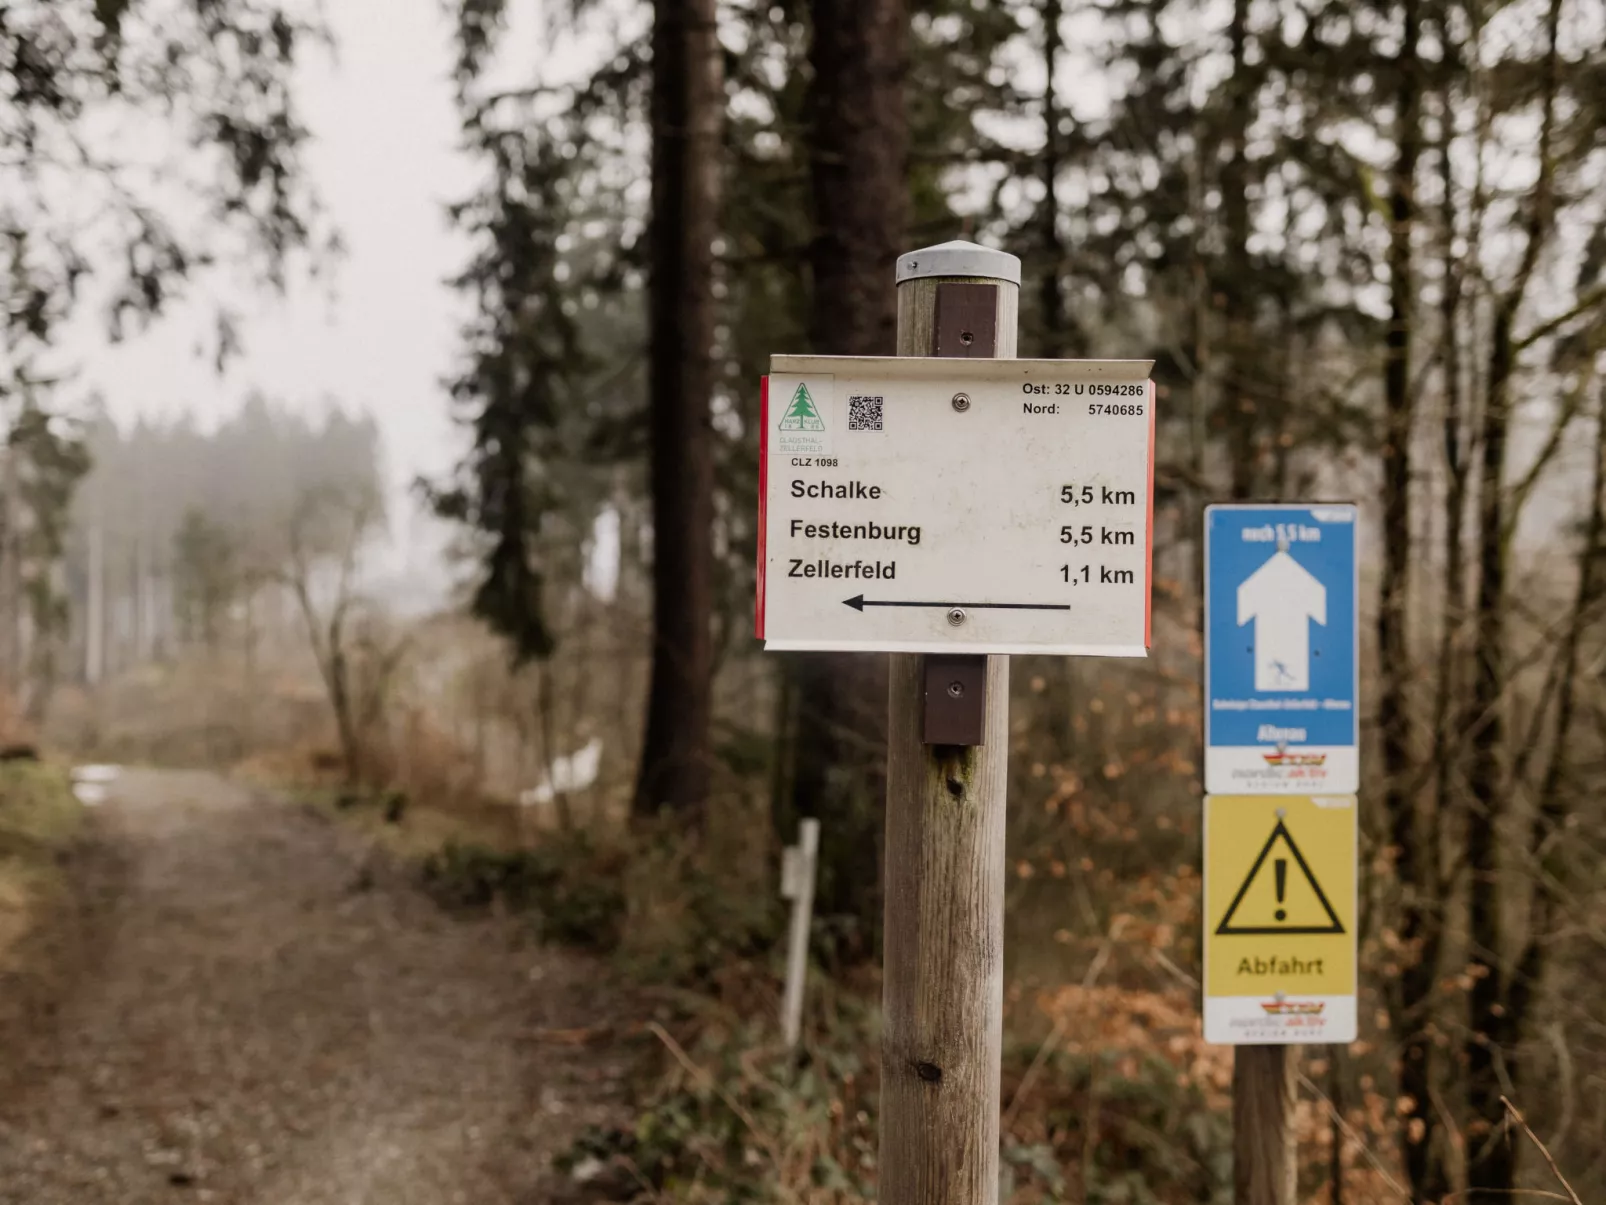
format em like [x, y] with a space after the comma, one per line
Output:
[383, 331]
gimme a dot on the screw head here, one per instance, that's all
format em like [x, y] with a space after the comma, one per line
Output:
[956, 616]
[961, 402]
[956, 689]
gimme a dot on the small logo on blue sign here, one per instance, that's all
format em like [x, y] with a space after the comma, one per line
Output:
[1281, 640]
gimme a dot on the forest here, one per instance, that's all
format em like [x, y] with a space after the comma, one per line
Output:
[1364, 244]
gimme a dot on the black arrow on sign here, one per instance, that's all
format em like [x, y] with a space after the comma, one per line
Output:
[859, 602]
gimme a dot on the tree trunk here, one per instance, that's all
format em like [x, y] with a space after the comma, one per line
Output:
[1335, 1127]
[687, 117]
[1413, 831]
[1232, 286]
[95, 607]
[1449, 709]
[1058, 335]
[339, 681]
[858, 152]
[1052, 301]
[11, 574]
[1490, 1158]
[1426, 1158]
[1499, 995]
[1552, 852]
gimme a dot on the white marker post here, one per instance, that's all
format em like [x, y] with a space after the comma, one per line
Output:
[798, 864]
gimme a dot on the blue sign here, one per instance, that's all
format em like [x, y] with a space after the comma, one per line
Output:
[1281, 640]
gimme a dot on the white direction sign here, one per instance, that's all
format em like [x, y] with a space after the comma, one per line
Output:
[946, 505]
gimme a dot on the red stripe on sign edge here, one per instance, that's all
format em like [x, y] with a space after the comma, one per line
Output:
[763, 498]
[1148, 595]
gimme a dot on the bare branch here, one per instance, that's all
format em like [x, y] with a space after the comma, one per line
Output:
[1516, 1116]
[1337, 1118]
[1589, 301]
[1542, 207]
[1571, 405]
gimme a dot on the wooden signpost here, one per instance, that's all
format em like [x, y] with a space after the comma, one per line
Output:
[952, 507]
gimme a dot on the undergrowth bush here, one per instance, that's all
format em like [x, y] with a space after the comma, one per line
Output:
[1119, 1127]
[735, 1117]
[676, 910]
[574, 889]
[1128, 1112]
[40, 820]
[696, 907]
[38, 812]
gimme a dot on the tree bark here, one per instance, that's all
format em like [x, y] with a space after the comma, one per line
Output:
[1430, 1175]
[1232, 286]
[1491, 1160]
[1058, 336]
[1413, 830]
[858, 154]
[1335, 1098]
[1548, 846]
[1052, 300]
[1499, 995]
[11, 572]
[687, 118]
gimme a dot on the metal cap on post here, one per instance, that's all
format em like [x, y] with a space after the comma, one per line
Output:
[959, 259]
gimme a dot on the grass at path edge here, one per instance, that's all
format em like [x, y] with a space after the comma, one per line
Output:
[40, 820]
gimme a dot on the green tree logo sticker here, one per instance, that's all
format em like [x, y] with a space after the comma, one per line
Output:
[802, 415]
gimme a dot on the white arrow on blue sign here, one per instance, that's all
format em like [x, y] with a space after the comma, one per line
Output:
[1282, 629]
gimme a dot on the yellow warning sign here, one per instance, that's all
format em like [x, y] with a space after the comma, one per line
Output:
[1280, 901]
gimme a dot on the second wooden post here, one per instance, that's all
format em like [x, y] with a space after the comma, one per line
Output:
[944, 922]
[1265, 1170]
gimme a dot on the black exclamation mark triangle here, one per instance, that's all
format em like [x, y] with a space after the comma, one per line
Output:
[1280, 869]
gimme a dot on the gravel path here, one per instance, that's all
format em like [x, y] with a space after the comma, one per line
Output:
[245, 1011]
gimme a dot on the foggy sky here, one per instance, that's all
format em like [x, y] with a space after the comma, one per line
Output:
[382, 331]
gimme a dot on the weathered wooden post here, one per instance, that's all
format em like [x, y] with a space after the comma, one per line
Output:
[952, 506]
[1265, 1170]
[943, 987]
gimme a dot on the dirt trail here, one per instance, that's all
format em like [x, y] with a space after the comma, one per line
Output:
[257, 1017]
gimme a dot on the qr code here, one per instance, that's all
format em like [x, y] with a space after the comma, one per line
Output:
[864, 413]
